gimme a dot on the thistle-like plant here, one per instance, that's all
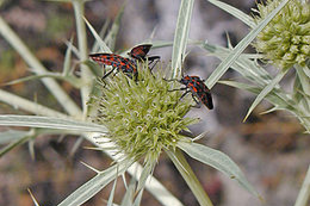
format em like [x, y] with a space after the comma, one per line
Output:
[143, 117]
[134, 119]
[285, 41]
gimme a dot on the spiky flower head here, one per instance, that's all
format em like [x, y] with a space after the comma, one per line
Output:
[143, 117]
[285, 41]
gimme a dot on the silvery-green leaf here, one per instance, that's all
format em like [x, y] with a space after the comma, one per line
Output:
[235, 12]
[95, 185]
[304, 193]
[111, 197]
[272, 97]
[130, 193]
[101, 43]
[14, 144]
[110, 39]
[50, 123]
[147, 171]
[217, 160]
[266, 91]
[138, 199]
[12, 135]
[67, 62]
[180, 36]
[33, 198]
[223, 66]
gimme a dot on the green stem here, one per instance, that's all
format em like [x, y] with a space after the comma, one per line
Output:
[304, 80]
[304, 193]
[187, 173]
[152, 184]
[86, 74]
[303, 112]
[180, 37]
[65, 101]
[21, 103]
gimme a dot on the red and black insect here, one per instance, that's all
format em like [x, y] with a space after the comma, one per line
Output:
[126, 65]
[198, 89]
[139, 53]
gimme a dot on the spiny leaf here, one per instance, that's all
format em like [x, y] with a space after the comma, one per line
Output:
[111, 37]
[223, 67]
[33, 198]
[272, 97]
[76, 82]
[67, 61]
[95, 185]
[111, 197]
[14, 144]
[235, 12]
[180, 36]
[265, 91]
[101, 43]
[12, 135]
[219, 161]
[50, 122]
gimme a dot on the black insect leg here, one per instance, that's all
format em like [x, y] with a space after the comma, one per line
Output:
[183, 95]
[104, 71]
[105, 76]
[198, 105]
[179, 89]
[153, 59]
[115, 73]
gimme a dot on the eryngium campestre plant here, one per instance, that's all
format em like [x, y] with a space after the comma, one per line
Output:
[285, 41]
[143, 117]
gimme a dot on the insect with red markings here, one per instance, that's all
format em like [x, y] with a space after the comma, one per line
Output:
[126, 65]
[139, 53]
[198, 89]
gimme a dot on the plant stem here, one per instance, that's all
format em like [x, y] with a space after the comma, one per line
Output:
[62, 97]
[304, 80]
[187, 173]
[35, 108]
[86, 74]
[152, 184]
[180, 37]
[304, 192]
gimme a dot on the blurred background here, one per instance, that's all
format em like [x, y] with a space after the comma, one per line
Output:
[271, 149]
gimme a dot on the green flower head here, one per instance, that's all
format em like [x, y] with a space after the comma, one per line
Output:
[143, 117]
[285, 41]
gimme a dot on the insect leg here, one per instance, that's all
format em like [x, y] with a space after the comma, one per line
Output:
[115, 73]
[183, 95]
[179, 89]
[105, 76]
[104, 71]
[198, 105]
[155, 60]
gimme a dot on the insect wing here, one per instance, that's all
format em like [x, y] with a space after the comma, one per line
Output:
[139, 52]
[108, 59]
[206, 98]
[199, 89]
[125, 65]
